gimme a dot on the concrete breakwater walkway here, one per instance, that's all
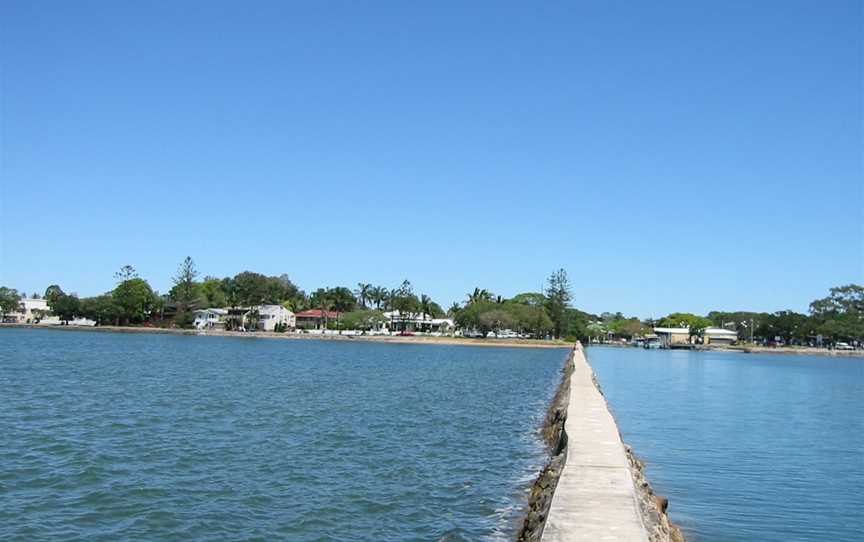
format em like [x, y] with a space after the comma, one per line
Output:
[595, 498]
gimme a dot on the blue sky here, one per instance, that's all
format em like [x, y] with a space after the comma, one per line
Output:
[670, 156]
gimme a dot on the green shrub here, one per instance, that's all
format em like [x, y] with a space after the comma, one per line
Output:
[184, 319]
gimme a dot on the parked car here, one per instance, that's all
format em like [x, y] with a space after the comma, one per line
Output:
[843, 346]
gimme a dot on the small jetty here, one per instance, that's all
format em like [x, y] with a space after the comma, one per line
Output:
[595, 498]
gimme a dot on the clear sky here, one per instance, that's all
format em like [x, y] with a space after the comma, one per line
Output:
[669, 155]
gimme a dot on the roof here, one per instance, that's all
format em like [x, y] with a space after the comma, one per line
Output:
[318, 313]
[272, 309]
[672, 330]
[443, 321]
[719, 331]
[398, 315]
[213, 310]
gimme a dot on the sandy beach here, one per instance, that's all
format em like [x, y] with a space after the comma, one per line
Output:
[420, 339]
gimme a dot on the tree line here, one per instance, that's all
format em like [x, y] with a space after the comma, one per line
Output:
[538, 314]
[836, 317]
[839, 316]
[134, 302]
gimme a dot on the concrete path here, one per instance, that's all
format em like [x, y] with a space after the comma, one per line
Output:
[595, 499]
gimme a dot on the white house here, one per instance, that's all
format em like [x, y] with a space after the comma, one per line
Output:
[29, 312]
[418, 322]
[210, 318]
[270, 315]
[442, 325]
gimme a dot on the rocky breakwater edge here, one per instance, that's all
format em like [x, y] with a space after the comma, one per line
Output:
[652, 507]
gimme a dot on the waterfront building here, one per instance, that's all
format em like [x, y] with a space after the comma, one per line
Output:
[263, 317]
[670, 337]
[418, 322]
[315, 318]
[30, 311]
[649, 340]
[271, 315]
[210, 318]
[718, 335]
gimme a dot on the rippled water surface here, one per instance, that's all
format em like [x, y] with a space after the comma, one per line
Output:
[747, 447]
[132, 437]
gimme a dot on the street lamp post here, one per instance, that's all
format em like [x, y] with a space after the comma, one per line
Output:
[751, 329]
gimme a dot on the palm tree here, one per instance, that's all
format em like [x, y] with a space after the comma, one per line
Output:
[377, 294]
[390, 301]
[324, 304]
[363, 293]
[385, 297]
[425, 304]
[342, 298]
[479, 295]
[300, 303]
[405, 288]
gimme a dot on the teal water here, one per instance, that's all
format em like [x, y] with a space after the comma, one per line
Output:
[132, 437]
[746, 446]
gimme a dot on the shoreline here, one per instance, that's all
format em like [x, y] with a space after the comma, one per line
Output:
[797, 351]
[392, 339]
